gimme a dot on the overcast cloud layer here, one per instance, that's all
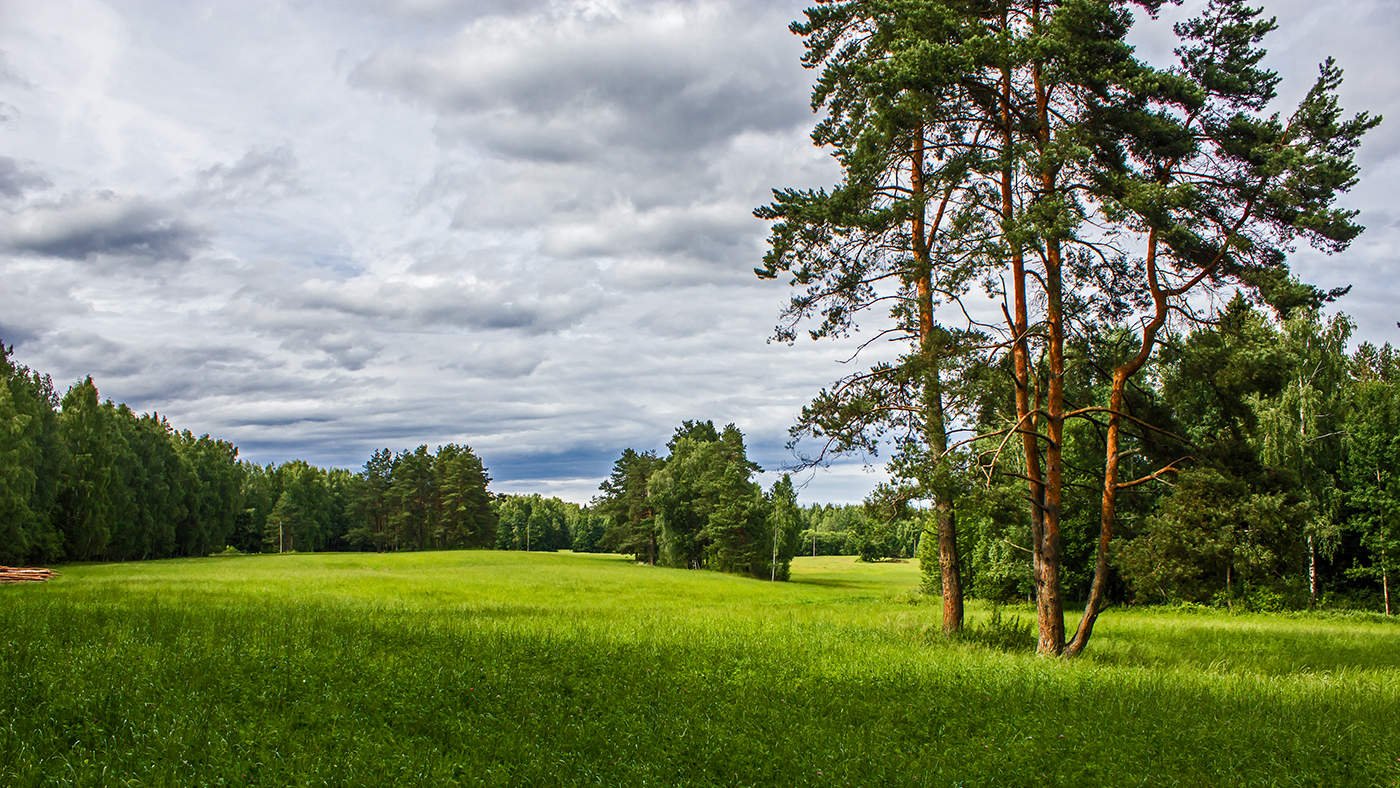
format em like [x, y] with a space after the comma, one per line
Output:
[318, 229]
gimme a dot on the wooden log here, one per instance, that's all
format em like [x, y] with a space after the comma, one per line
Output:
[12, 574]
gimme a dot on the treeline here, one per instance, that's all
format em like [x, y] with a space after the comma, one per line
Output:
[536, 522]
[83, 479]
[859, 530]
[699, 507]
[1283, 481]
[409, 500]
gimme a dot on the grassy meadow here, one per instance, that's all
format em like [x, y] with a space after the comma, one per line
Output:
[514, 668]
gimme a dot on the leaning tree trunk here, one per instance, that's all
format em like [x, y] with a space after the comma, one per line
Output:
[1108, 508]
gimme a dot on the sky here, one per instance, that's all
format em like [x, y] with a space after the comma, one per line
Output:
[320, 228]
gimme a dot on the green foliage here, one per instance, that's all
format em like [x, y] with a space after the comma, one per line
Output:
[587, 530]
[86, 480]
[371, 506]
[699, 508]
[17, 479]
[711, 513]
[622, 501]
[999, 632]
[784, 525]
[86, 504]
[996, 544]
[1214, 539]
[299, 520]
[1278, 419]
[214, 497]
[466, 518]
[411, 500]
[534, 522]
[31, 462]
[1370, 473]
[870, 532]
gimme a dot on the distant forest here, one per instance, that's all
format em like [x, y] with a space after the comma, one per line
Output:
[87, 479]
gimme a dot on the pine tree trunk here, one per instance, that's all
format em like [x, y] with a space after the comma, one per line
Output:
[1020, 348]
[1108, 514]
[935, 425]
[1050, 613]
[1117, 405]
[1050, 609]
[948, 569]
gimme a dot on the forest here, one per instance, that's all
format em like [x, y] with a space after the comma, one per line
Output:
[1283, 493]
[85, 479]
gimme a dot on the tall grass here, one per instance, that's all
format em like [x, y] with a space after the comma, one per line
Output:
[534, 668]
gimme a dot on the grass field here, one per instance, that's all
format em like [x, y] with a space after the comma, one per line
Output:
[546, 669]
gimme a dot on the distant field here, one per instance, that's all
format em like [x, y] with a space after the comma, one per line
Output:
[536, 668]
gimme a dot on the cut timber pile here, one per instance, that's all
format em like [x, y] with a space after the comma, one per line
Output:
[10, 574]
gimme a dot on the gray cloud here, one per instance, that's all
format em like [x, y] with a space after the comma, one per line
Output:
[413, 303]
[83, 227]
[16, 333]
[38, 300]
[8, 74]
[18, 178]
[665, 80]
[260, 175]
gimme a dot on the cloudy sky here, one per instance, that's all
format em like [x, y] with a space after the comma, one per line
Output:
[319, 228]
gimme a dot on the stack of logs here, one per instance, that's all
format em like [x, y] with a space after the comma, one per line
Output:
[11, 574]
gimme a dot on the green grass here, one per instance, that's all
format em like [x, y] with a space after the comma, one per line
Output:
[545, 669]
